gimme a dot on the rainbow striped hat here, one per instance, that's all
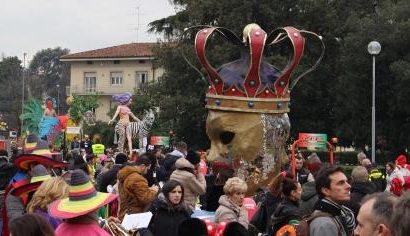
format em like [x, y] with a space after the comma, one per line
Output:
[82, 198]
[40, 154]
[39, 175]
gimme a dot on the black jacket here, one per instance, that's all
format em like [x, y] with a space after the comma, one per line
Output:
[108, 178]
[286, 210]
[166, 218]
[357, 192]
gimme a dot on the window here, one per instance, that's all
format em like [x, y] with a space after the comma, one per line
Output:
[116, 78]
[116, 62]
[89, 62]
[141, 79]
[90, 82]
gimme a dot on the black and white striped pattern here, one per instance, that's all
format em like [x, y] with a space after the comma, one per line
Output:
[142, 128]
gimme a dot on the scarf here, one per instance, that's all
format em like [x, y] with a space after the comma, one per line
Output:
[341, 213]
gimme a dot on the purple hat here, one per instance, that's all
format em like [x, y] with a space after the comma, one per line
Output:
[122, 98]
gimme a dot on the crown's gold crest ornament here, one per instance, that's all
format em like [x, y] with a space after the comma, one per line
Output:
[248, 100]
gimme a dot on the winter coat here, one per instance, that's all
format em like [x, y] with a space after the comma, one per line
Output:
[396, 173]
[108, 178]
[228, 211]
[286, 211]
[167, 217]
[135, 196]
[357, 192]
[194, 184]
[308, 199]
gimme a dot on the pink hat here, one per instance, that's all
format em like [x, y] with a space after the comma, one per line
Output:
[401, 160]
[102, 157]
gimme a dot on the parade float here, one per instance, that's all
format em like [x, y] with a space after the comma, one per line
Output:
[248, 100]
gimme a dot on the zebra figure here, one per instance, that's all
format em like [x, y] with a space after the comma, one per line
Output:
[138, 129]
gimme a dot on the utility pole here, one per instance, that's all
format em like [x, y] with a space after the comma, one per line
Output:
[22, 92]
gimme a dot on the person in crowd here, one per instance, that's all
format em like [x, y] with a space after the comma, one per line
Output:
[110, 177]
[192, 227]
[360, 187]
[288, 208]
[360, 157]
[169, 210]
[79, 210]
[231, 204]
[235, 229]
[75, 143]
[401, 216]
[135, 195]
[392, 172]
[214, 186]
[374, 217]
[309, 195]
[98, 148]
[78, 162]
[159, 155]
[181, 149]
[87, 144]
[165, 170]
[50, 190]
[188, 175]
[333, 189]
[151, 175]
[124, 112]
[302, 173]
[401, 164]
[7, 171]
[30, 225]
[375, 175]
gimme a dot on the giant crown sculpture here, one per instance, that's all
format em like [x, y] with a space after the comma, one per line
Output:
[250, 84]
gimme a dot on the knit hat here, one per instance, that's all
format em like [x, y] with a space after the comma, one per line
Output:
[121, 158]
[82, 198]
[193, 157]
[38, 175]
[401, 160]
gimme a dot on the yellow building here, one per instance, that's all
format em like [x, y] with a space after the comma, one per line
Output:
[112, 70]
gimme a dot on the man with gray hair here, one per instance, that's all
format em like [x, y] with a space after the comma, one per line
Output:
[375, 215]
[361, 186]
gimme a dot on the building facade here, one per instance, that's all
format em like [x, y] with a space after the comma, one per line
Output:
[113, 70]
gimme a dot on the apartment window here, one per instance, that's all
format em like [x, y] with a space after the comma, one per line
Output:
[89, 62]
[116, 78]
[141, 79]
[90, 82]
[116, 62]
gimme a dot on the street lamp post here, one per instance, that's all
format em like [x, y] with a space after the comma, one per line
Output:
[58, 99]
[22, 92]
[374, 49]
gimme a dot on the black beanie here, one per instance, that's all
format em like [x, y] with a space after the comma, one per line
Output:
[193, 157]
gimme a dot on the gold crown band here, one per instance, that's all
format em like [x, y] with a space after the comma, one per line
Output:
[242, 104]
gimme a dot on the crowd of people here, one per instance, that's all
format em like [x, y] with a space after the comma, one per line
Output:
[87, 192]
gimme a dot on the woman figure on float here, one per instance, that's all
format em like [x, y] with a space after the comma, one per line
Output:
[49, 120]
[124, 112]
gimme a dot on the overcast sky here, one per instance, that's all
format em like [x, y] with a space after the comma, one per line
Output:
[27, 26]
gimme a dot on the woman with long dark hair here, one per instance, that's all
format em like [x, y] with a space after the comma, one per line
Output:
[288, 209]
[169, 210]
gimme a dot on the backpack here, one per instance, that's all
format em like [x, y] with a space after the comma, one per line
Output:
[302, 228]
